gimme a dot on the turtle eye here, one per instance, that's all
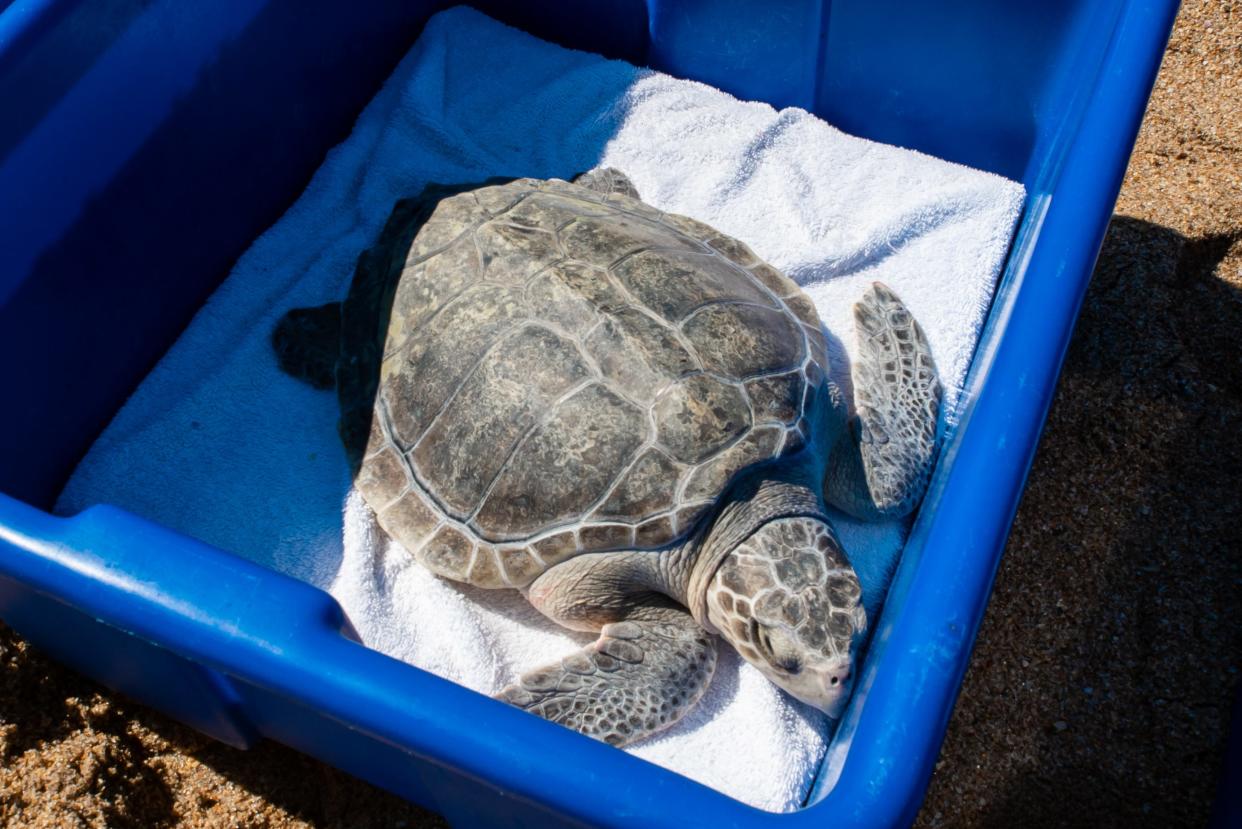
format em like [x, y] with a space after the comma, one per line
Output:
[762, 641]
[759, 638]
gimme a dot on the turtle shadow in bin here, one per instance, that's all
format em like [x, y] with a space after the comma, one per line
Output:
[626, 415]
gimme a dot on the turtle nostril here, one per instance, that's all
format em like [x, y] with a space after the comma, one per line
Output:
[835, 680]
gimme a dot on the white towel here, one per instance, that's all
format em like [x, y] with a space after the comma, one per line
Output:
[221, 445]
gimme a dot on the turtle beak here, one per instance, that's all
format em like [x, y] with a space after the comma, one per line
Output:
[826, 687]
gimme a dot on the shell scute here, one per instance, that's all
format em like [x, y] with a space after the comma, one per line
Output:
[564, 466]
[504, 398]
[675, 283]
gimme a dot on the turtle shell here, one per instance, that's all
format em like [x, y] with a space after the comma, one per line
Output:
[532, 370]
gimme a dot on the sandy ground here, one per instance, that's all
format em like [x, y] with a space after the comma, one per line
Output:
[1100, 687]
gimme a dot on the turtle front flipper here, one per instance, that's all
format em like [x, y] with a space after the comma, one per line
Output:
[650, 665]
[639, 677]
[880, 467]
[307, 342]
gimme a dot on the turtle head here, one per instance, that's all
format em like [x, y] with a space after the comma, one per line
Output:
[790, 603]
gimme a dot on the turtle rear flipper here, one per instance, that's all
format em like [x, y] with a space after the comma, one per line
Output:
[307, 342]
[880, 467]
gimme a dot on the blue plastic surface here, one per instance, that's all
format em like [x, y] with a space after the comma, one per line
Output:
[144, 145]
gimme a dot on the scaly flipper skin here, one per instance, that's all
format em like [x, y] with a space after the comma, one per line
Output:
[639, 677]
[881, 466]
[652, 662]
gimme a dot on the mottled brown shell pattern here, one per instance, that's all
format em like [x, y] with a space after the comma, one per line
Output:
[566, 371]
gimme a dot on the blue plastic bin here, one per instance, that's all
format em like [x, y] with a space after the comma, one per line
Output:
[134, 134]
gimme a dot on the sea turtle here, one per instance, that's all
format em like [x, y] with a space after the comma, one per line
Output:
[624, 414]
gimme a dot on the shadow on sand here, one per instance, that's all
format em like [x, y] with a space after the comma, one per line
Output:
[1100, 689]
